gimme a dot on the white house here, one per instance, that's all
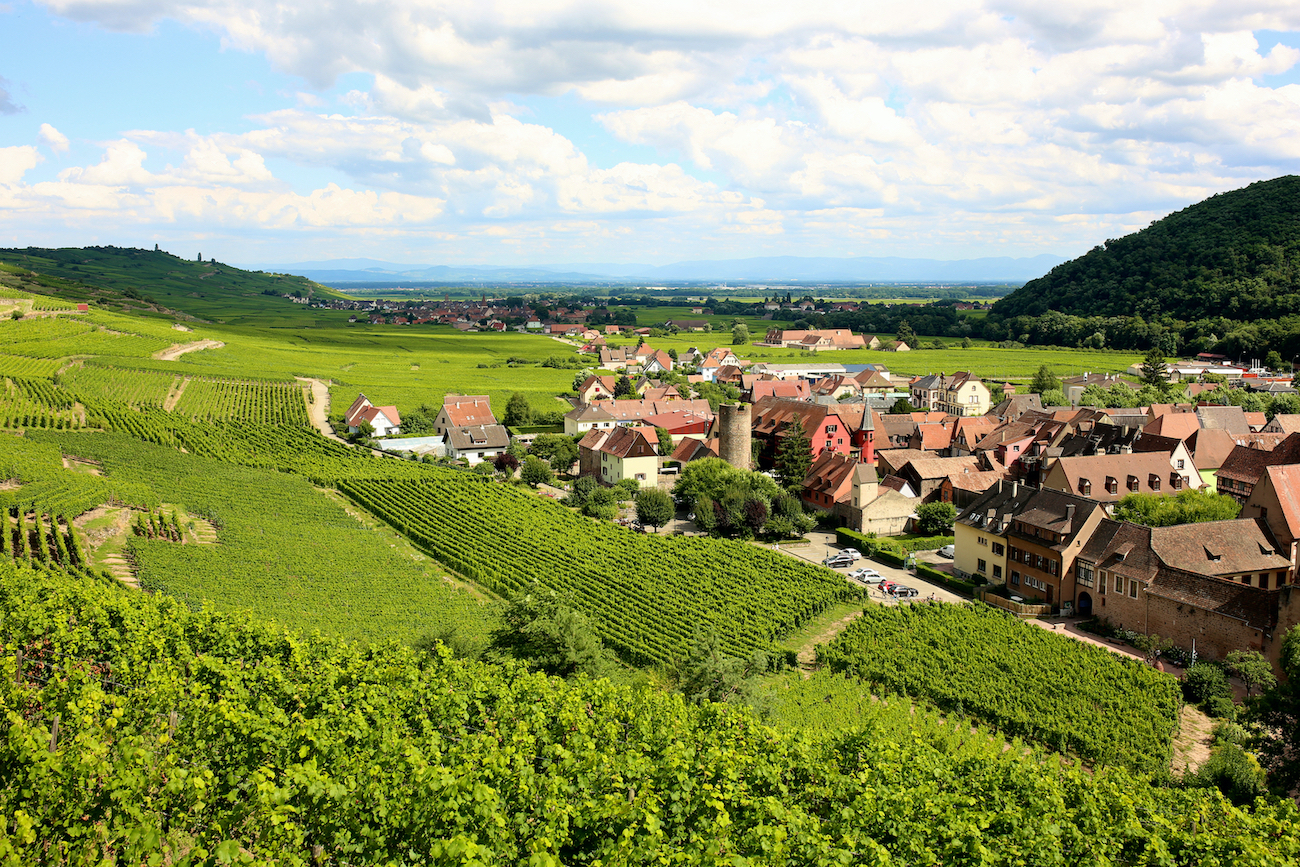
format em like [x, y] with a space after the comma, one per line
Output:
[383, 419]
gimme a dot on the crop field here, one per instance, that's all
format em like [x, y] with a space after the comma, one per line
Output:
[259, 403]
[647, 594]
[1024, 680]
[134, 388]
[988, 362]
[284, 549]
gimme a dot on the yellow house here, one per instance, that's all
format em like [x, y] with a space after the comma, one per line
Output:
[980, 532]
[627, 454]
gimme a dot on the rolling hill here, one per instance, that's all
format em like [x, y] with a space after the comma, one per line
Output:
[1235, 255]
[155, 281]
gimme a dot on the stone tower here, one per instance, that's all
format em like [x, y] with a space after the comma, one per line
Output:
[734, 434]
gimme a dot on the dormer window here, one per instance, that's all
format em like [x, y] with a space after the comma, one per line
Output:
[1175, 481]
[1133, 483]
[1085, 487]
[1112, 486]
[1154, 481]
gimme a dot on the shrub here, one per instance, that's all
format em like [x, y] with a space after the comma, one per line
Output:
[1203, 682]
[1233, 772]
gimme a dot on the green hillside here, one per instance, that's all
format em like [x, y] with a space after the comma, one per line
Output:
[154, 281]
[1235, 255]
[141, 732]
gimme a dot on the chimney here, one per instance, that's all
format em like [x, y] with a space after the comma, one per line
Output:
[1015, 488]
[1069, 514]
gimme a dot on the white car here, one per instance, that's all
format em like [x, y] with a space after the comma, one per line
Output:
[948, 551]
[849, 552]
[867, 576]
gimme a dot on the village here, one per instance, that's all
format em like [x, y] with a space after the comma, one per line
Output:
[1033, 488]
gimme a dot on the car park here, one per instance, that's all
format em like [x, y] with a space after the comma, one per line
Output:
[948, 551]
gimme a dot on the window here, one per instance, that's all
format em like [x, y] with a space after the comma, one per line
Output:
[1112, 486]
[1015, 577]
[1180, 463]
[1263, 580]
[1245, 579]
[984, 541]
[1085, 487]
[1016, 448]
[1133, 588]
[998, 548]
[1154, 482]
[997, 571]
[1085, 574]
[1133, 483]
[1119, 584]
[981, 566]
[1263, 511]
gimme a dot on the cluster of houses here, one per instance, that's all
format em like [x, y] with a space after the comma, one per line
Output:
[1035, 487]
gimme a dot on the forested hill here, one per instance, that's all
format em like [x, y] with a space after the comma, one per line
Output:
[1235, 255]
[151, 279]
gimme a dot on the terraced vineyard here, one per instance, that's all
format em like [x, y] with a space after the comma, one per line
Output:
[1028, 682]
[648, 594]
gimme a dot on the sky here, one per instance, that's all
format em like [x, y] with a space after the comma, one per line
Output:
[525, 132]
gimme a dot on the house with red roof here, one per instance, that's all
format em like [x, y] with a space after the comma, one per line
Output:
[383, 419]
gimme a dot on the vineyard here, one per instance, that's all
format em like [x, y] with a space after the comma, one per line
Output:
[1026, 681]
[195, 737]
[648, 594]
[36, 403]
[133, 388]
[285, 549]
[255, 403]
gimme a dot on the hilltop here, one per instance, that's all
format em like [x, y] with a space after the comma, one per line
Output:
[155, 281]
[1234, 255]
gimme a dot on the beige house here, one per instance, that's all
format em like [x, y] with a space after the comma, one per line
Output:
[627, 454]
[875, 509]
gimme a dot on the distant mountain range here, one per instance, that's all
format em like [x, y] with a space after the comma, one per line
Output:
[768, 269]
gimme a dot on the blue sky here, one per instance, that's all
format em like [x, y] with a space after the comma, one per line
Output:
[516, 132]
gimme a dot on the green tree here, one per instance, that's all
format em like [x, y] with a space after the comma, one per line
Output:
[1044, 380]
[1273, 361]
[1252, 668]
[793, 455]
[550, 636]
[665, 440]
[518, 410]
[1153, 367]
[905, 334]
[1053, 397]
[558, 449]
[535, 471]
[624, 388]
[1277, 714]
[740, 335]
[935, 519]
[654, 507]
[902, 406]
[708, 674]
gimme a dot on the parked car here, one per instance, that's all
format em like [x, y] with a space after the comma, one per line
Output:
[838, 561]
[948, 551]
[850, 552]
[902, 591]
[870, 576]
